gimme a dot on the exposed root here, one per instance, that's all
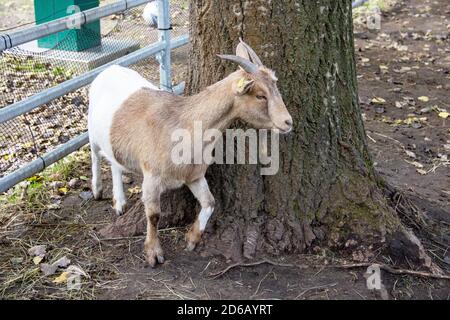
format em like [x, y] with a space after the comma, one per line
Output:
[392, 270]
[250, 264]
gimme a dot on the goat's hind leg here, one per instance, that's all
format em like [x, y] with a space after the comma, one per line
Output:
[201, 191]
[97, 186]
[151, 193]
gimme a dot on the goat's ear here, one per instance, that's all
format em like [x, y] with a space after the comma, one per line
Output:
[243, 86]
[242, 52]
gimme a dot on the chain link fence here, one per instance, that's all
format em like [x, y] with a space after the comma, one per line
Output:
[25, 72]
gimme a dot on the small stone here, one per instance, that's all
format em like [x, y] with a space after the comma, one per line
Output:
[416, 125]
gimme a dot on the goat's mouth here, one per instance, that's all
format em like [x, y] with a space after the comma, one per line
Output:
[283, 131]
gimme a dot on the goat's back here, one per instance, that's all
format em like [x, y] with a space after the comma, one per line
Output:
[107, 94]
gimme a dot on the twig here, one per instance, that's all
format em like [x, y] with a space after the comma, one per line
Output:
[121, 238]
[250, 264]
[392, 270]
[373, 140]
[260, 282]
[316, 288]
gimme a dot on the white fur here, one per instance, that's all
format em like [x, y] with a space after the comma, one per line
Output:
[204, 216]
[108, 92]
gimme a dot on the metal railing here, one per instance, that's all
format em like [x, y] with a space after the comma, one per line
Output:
[358, 3]
[161, 49]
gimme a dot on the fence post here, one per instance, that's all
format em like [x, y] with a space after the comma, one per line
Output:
[164, 27]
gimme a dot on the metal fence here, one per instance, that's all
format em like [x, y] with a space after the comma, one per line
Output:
[43, 94]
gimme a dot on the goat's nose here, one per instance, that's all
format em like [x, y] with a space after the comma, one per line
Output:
[289, 122]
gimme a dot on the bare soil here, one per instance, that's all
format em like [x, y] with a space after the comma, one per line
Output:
[413, 50]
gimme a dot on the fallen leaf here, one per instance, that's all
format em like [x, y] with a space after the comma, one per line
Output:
[63, 190]
[48, 269]
[443, 115]
[421, 171]
[62, 262]
[37, 260]
[73, 269]
[378, 100]
[39, 250]
[62, 278]
[135, 190]
[424, 99]
[53, 206]
[416, 164]
[410, 154]
[86, 195]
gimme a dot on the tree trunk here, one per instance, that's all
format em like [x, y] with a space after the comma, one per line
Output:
[326, 193]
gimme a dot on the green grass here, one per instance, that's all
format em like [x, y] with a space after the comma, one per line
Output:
[34, 194]
[384, 5]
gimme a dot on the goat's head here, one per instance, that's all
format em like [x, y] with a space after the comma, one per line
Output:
[257, 98]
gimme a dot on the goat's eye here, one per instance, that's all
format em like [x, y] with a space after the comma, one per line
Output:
[260, 97]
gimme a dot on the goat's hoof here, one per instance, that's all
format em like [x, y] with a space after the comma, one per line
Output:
[193, 237]
[154, 255]
[98, 195]
[119, 208]
[121, 211]
[190, 246]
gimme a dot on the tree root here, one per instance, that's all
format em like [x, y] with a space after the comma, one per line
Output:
[392, 270]
[250, 264]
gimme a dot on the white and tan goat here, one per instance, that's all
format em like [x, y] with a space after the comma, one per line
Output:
[131, 122]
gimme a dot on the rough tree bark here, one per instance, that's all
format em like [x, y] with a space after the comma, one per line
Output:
[326, 193]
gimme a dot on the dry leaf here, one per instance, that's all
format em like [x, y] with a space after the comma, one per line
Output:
[378, 100]
[63, 190]
[424, 99]
[410, 154]
[134, 190]
[73, 269]
[443, 115]
[37, 260]
[39, 250]
[415, 164]
[62, 278]
[421, 171]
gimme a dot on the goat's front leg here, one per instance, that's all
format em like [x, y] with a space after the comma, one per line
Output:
[119, 199]
[201, 191]
[151, 193]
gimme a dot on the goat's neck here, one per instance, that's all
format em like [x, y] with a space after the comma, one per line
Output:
[213, 107]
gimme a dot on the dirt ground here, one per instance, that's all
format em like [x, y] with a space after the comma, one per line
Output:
[404, 84]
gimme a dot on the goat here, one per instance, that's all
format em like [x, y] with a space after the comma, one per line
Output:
[130, 123]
